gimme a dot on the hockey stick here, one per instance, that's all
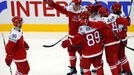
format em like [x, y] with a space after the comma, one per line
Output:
[96, 1]
[127, 46]
[130, 8]
[130, 36]
[5, 46]
[56, 42]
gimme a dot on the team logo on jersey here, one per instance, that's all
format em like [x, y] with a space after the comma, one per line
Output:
[14, 35]
[3, 6]
[75, 18]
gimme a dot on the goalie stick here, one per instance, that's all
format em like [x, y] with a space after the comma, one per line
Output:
[5, 46]
[56, 42]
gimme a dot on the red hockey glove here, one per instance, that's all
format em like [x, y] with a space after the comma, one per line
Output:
[128, 18]
[65, 43]
[26, 46]
[8, 60]
[48, 1]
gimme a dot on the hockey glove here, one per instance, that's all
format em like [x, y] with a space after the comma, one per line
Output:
[129, 20]
[48, 1]
[65, 43]
[26, 46]
[8, 60]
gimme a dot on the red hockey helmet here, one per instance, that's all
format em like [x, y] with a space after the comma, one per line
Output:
[116, 7]
[16, 20]
[91, 8]
[77, 1]
[85, 15]
[104, 11]
[98, 6]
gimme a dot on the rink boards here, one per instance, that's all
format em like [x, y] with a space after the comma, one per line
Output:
[39, 17]
[45, 27]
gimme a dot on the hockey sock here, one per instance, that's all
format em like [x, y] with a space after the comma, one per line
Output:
[100, 71]
[119, 67]
[114, 70]
[72, 61]
[87, 72]
[126, 67]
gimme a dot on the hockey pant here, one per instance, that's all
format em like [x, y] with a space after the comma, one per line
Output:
[97, 63]
[22, 68]
[112, 57]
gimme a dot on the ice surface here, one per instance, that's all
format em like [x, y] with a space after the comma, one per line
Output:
[54, 60]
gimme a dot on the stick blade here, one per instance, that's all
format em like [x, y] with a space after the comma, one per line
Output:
[48, 45]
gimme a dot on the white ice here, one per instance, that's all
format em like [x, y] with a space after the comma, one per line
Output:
[54, 60]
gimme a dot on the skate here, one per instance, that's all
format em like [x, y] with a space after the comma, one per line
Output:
[125, 73]
[81, 71]
[73, 71]
[93, 71]
[130, 73]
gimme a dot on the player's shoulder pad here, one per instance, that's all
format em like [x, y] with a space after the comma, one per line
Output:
[85, 29]
[15, 35]
[110, 19]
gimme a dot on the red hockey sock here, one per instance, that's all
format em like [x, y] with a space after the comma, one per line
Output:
[73, 62]
[126, 67]
[72, 59]
[114, 70]
[87, 72]
[100, 71]
[119, 67]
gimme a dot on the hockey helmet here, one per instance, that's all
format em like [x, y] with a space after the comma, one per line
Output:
[84, 15]
[77, 2]
[116, 7]
[17, 20]
[103, 11]
[91, 8]
[98, 6]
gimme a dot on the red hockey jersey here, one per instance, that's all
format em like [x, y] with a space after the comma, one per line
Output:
[109, 28]
[16, 45]
[90, 40]
[123, 28]
[71, 14]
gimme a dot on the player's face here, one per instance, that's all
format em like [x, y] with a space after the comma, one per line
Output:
[116, 12]
[76, 7]
[19, 25]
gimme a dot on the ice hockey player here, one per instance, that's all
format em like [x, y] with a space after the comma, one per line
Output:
[89, 39]
[109, 31]
[94, 11]
[123, 61]
[16, 48]
[72, 11]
